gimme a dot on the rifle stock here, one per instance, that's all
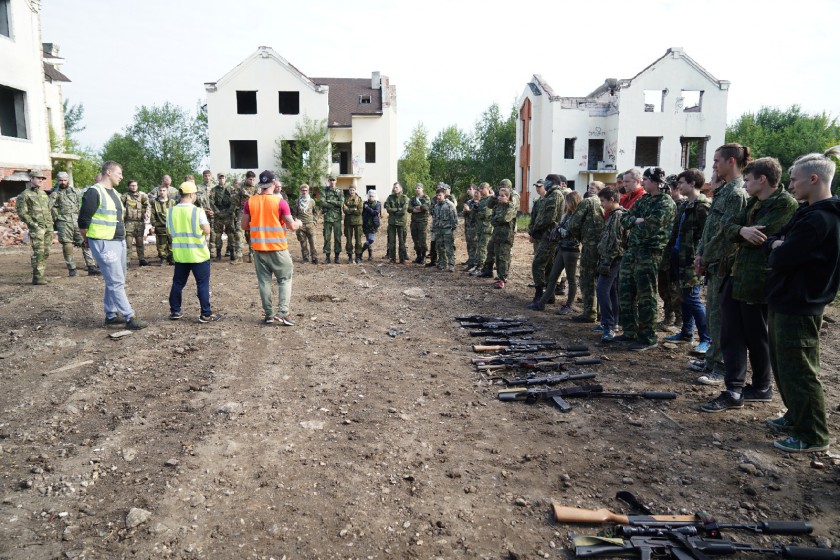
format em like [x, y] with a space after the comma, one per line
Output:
[567, 514]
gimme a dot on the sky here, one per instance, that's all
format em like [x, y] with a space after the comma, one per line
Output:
[449, 59]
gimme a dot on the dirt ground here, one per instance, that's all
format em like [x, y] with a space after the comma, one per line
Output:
[334, 439]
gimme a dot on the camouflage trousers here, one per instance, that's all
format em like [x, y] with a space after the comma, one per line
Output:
[40, 239]
[70, 237]
[637, 293]
[418, 236]
[502, 248]
[134, 233]
[332, 236]
[795, 358]
[714, 355]
[484, 246]
[544, 250]
[353, 234]
[228, 226]
[396, 240]
[445, 243]
[670, 293]
[211, 241]
[306, 237]
[588, 270]
[164, 244]
[472, 242]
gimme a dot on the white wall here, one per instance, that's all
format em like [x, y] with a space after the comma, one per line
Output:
[22, 69]
[382, 131]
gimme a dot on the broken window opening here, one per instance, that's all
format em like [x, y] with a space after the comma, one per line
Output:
[654, 100]
[569, 148]
[693, 152]
[243, 154]
[370, 152]
[692, 101]
[246, 102]
[596, 153]
[13, 113]
[289, 102]
[647, 151]
[5, 28]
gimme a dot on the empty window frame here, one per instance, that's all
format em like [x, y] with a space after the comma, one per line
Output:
[13, 113]
[289, 102]
[569, 148]
[693, 152]
[365, 100]
[246, 102]
[5, 27]
[654, 100]
[243, 154]
[692, 101]
[370, 152]
[595, 153]
[647, 150]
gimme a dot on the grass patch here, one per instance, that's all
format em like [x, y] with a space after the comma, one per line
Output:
[522, 222]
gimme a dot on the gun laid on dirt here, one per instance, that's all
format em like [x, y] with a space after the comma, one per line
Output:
[652, 525]
[545, 379]
[681, 547]
[585, 391]
[495, 325]
[524, 345]
[540, 366]
[486, 319]
[502, 332]
[516, 359]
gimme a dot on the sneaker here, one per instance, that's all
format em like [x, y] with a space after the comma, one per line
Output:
[499, 284]
[72, 273]
[642, 346]
[475, 272]
[565, 310]
[135, 324]
[115, 321]
[701, 348]
[40, 281]
[392, 261]
[608, 336]
[536, 306]
[450, 268]
[793, 444]
[624, 338]
[471, 270]
[710, 378]
[722, 402]
[679, 337]
[175, 315]
[93, 271]
[144, 262]
[751, 394]
[598, 328]
[780, 424]
[209, 318]
[698, 365]
[269, 320]
[582, 319]
[305, 259]
[486, 274]
[284, 320]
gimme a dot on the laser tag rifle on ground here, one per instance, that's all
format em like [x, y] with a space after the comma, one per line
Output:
[501, 332]
[486, 319]
[585, 391]
[528, 358]
[524, 345]
[496, 325]
[544, 379]
[540, 366]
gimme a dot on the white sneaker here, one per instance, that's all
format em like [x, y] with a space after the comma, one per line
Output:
[710, 379]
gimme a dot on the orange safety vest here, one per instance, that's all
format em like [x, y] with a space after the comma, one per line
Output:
[267, 231]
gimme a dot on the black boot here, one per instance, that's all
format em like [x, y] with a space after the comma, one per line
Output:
[538, 292]
[336, 257]
[370, 253]
[327, 257]
[218, 256]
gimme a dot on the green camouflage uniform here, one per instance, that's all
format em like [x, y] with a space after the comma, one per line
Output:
[668, 283]
[585, 225]
[396, 205]
[223, 201]
[504, 229]
[202, 199]
[353, 226]
[716, 253]
[444, 222]
[548, 212]
[65, 204]
[245, 192]
[136, 207]
[419, 223]
[484, 234]
[306, 232]
[690, 231]
[159, 209]
[470, 230]
[640, 264]
[33, 207]
[613, 241]
[331, 202]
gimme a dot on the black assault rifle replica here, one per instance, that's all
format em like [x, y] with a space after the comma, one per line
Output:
[559, 396]
[524, 346]
[681, 547]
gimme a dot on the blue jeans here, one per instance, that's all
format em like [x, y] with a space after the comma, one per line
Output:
[110, 257]
[201, 272]
[370, 237]
[607, 292]
[694, 312]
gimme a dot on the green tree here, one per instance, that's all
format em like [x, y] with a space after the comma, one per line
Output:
[785, 134]
[161, 140]
[305, 157]
[85, 169]
[73, 115]
[451, 159]
[495, 141]
[413, 167]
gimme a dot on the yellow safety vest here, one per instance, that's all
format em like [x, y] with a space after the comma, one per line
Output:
[188, 243]
[103, 224]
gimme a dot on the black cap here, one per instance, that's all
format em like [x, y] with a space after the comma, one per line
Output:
[266, 178]
[655, 174]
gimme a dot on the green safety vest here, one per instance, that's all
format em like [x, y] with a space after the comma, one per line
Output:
[103, 224]
[188, 244]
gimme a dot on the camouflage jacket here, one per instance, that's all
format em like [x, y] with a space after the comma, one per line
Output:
[422, 202]
[33, 207]
[750, 267]
[669, 248]
[159, 208]
[613, 239]
[658, 213]
[444, 216]
[470, 214]
[65, 204]
[551, 210]
[728, 203]
[223, 201]
[483, 213]
[396, 205]
[690, 224]
[307, 212]
[136, 206]
[331, 202]
[353, 210]
[202, 198]
[535, 212]
[504, 219]
[245, 192]
[587, 222]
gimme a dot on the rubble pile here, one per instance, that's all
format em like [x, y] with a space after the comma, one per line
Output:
[12, 230]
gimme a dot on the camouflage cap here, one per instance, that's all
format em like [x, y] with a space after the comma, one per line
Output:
[671, 181]
[505, 183]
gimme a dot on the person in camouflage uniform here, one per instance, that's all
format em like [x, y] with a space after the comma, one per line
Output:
[610, 249]
[668, 284]
[483, 229]
[586, 225]
[397, 206]
[305, 210]
[331, 202]
[650, 222]
[504, 229]
[419, 206]
[65, 202]
[247, 189]
[371, 219]
[715, 251]
[223, 200]
[353, 225]
[202, 200]
[487, 270]
[444, 222]
[690, 221]
[33, 207]
[160, 206]
[551, 208]
[136, 205]
[469, 208]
